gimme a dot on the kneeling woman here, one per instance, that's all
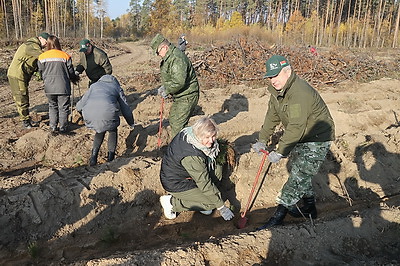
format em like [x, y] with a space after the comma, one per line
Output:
[188, 172]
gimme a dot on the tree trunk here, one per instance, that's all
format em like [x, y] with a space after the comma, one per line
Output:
[339, 21]
[5, 18]
[396, 29]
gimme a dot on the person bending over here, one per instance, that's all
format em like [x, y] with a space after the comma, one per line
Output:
[100, 107]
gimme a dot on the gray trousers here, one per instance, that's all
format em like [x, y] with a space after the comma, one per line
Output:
[59, 108]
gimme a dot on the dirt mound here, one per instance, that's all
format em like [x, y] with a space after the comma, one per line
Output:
[57, 210]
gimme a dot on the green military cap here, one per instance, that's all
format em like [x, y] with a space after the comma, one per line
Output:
[157, 40]
[274, 65]
[44, 35]
[83, 45]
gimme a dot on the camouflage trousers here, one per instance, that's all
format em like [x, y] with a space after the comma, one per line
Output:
[304, 162]
[19, 90]
[181, 111]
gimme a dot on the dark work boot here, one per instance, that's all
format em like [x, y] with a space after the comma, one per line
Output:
[307, 209]
[27, 124]
[276, 219]
[93, 157]
[110, 156]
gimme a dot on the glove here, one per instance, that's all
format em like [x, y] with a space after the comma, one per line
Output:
[161, 92]
[79, 69]
[258, 146]
[75, 79]
[38, 76]
[274, 157]
[77, 73]
[225, 212]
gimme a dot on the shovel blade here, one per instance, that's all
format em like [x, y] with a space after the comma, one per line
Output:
[242, 222]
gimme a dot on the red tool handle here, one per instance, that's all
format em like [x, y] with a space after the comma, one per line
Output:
[255, 181]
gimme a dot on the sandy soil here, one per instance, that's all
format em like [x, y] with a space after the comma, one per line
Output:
[54, 209]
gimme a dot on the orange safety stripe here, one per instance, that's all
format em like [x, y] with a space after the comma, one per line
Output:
[53, 54]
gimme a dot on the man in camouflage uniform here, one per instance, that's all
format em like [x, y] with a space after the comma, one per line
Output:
[22, 67]
[179, 80]
[309, 130]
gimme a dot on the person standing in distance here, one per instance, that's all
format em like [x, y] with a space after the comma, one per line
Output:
[93, 61]
[20, 71]
[182, 42]
[178, 80]
[309, 130]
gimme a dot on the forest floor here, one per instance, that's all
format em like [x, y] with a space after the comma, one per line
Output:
[56, 210]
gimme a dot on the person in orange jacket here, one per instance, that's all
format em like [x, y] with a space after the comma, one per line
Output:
[57, 72]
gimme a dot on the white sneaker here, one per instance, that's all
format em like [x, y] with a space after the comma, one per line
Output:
[206, 212]
[167, 206]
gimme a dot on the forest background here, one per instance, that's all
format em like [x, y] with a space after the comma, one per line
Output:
[340, 23]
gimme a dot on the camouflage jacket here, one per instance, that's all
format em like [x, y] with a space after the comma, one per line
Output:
[177, 74]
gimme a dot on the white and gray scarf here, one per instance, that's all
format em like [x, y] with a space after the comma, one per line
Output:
[211, 153]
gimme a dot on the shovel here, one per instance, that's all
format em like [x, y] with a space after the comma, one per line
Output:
[160, 126]
[243, 219]
[72, 102]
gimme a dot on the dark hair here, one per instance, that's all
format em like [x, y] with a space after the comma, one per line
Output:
[53, 43]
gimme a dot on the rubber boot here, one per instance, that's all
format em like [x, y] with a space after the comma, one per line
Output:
[27, 124]
[307, 209]
[110, 156]
[93, 157]
[276, 219]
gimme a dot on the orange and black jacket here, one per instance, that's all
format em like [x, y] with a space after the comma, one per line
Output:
[57, 71]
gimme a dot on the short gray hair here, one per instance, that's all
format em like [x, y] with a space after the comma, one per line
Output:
[204, 126]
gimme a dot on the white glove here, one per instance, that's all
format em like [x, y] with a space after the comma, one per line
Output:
[258, 146]
[77, 73]
[274, 157]
[161, 92]
[225, 212]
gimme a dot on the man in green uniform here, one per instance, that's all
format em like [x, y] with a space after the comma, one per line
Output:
[178, 80]
[309, 130]
[22, 67]
[94, 61]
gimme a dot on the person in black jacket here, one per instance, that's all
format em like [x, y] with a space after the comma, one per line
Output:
[93, 60]
[188, 172]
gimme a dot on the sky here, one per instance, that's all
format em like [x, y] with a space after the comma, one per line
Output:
[117, 8]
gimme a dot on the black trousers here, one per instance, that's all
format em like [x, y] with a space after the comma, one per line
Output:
[112, 140]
